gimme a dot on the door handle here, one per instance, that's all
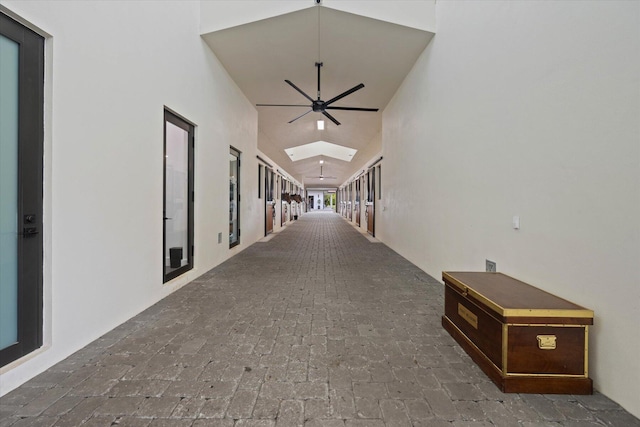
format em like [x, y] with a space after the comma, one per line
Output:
[165, 218]
[29, 231]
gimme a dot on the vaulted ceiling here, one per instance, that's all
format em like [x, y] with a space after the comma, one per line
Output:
[354, 49]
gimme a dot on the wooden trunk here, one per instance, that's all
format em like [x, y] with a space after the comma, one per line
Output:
[525, 339]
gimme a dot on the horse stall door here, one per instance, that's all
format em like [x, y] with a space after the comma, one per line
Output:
[371, 198]
[269, 218]
[370, 219]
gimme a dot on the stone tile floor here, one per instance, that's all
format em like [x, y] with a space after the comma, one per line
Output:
[316, 327]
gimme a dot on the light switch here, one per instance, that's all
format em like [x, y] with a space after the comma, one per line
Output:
[516, 222]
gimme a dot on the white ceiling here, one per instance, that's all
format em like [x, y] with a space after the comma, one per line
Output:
[354, 49]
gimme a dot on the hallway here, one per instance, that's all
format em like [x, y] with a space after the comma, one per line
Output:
[316, 326]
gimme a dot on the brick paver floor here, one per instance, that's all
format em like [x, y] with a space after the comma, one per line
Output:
[316, 327]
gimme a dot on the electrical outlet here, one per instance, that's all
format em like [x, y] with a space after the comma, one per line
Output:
[490, 266]
[219, 237]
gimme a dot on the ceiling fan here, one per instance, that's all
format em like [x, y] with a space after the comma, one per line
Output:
[322, 176]
[318, 105]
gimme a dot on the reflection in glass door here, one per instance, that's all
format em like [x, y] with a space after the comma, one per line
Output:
[9, 54]
[21, 153]
[178, 196]
[234, 197]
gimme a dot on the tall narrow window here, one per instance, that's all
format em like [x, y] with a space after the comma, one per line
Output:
[178, 196]
[371, 185]
[234, 197]
[21, 183]
[272, 179]
[379, 182]
[260, 167]
[368, 178]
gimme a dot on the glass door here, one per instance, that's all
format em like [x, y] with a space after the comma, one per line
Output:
[178, 196]
[21, 154]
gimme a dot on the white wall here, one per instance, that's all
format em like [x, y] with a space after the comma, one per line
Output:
[112, 67]
[411, 13]
[529, 109]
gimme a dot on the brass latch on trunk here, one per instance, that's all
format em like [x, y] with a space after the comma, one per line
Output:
[546, 342]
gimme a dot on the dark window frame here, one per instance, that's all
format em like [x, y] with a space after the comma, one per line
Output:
[271, 177]
[379, 182]
[260, 168]
[237, 153]
[181, 122]
[371, 185]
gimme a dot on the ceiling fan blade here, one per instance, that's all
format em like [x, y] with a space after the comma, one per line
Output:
[352, 108]
[301, 115]
[281, 105]
[330, 117]
[343, 94]
[299, 90]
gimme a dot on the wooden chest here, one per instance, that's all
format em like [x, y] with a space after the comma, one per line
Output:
[525, 339]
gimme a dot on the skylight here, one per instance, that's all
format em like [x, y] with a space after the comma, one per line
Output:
[321, 148]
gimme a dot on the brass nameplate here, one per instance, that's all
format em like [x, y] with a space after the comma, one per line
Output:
[546, 342]
[467, 315]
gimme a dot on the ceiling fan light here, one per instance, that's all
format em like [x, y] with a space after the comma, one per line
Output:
[321, 161]
[320, 124]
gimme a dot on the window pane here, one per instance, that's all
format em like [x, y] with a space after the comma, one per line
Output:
[259, 181]
[176, 197]
[233, 198]
[380, 182]
[9, 53]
